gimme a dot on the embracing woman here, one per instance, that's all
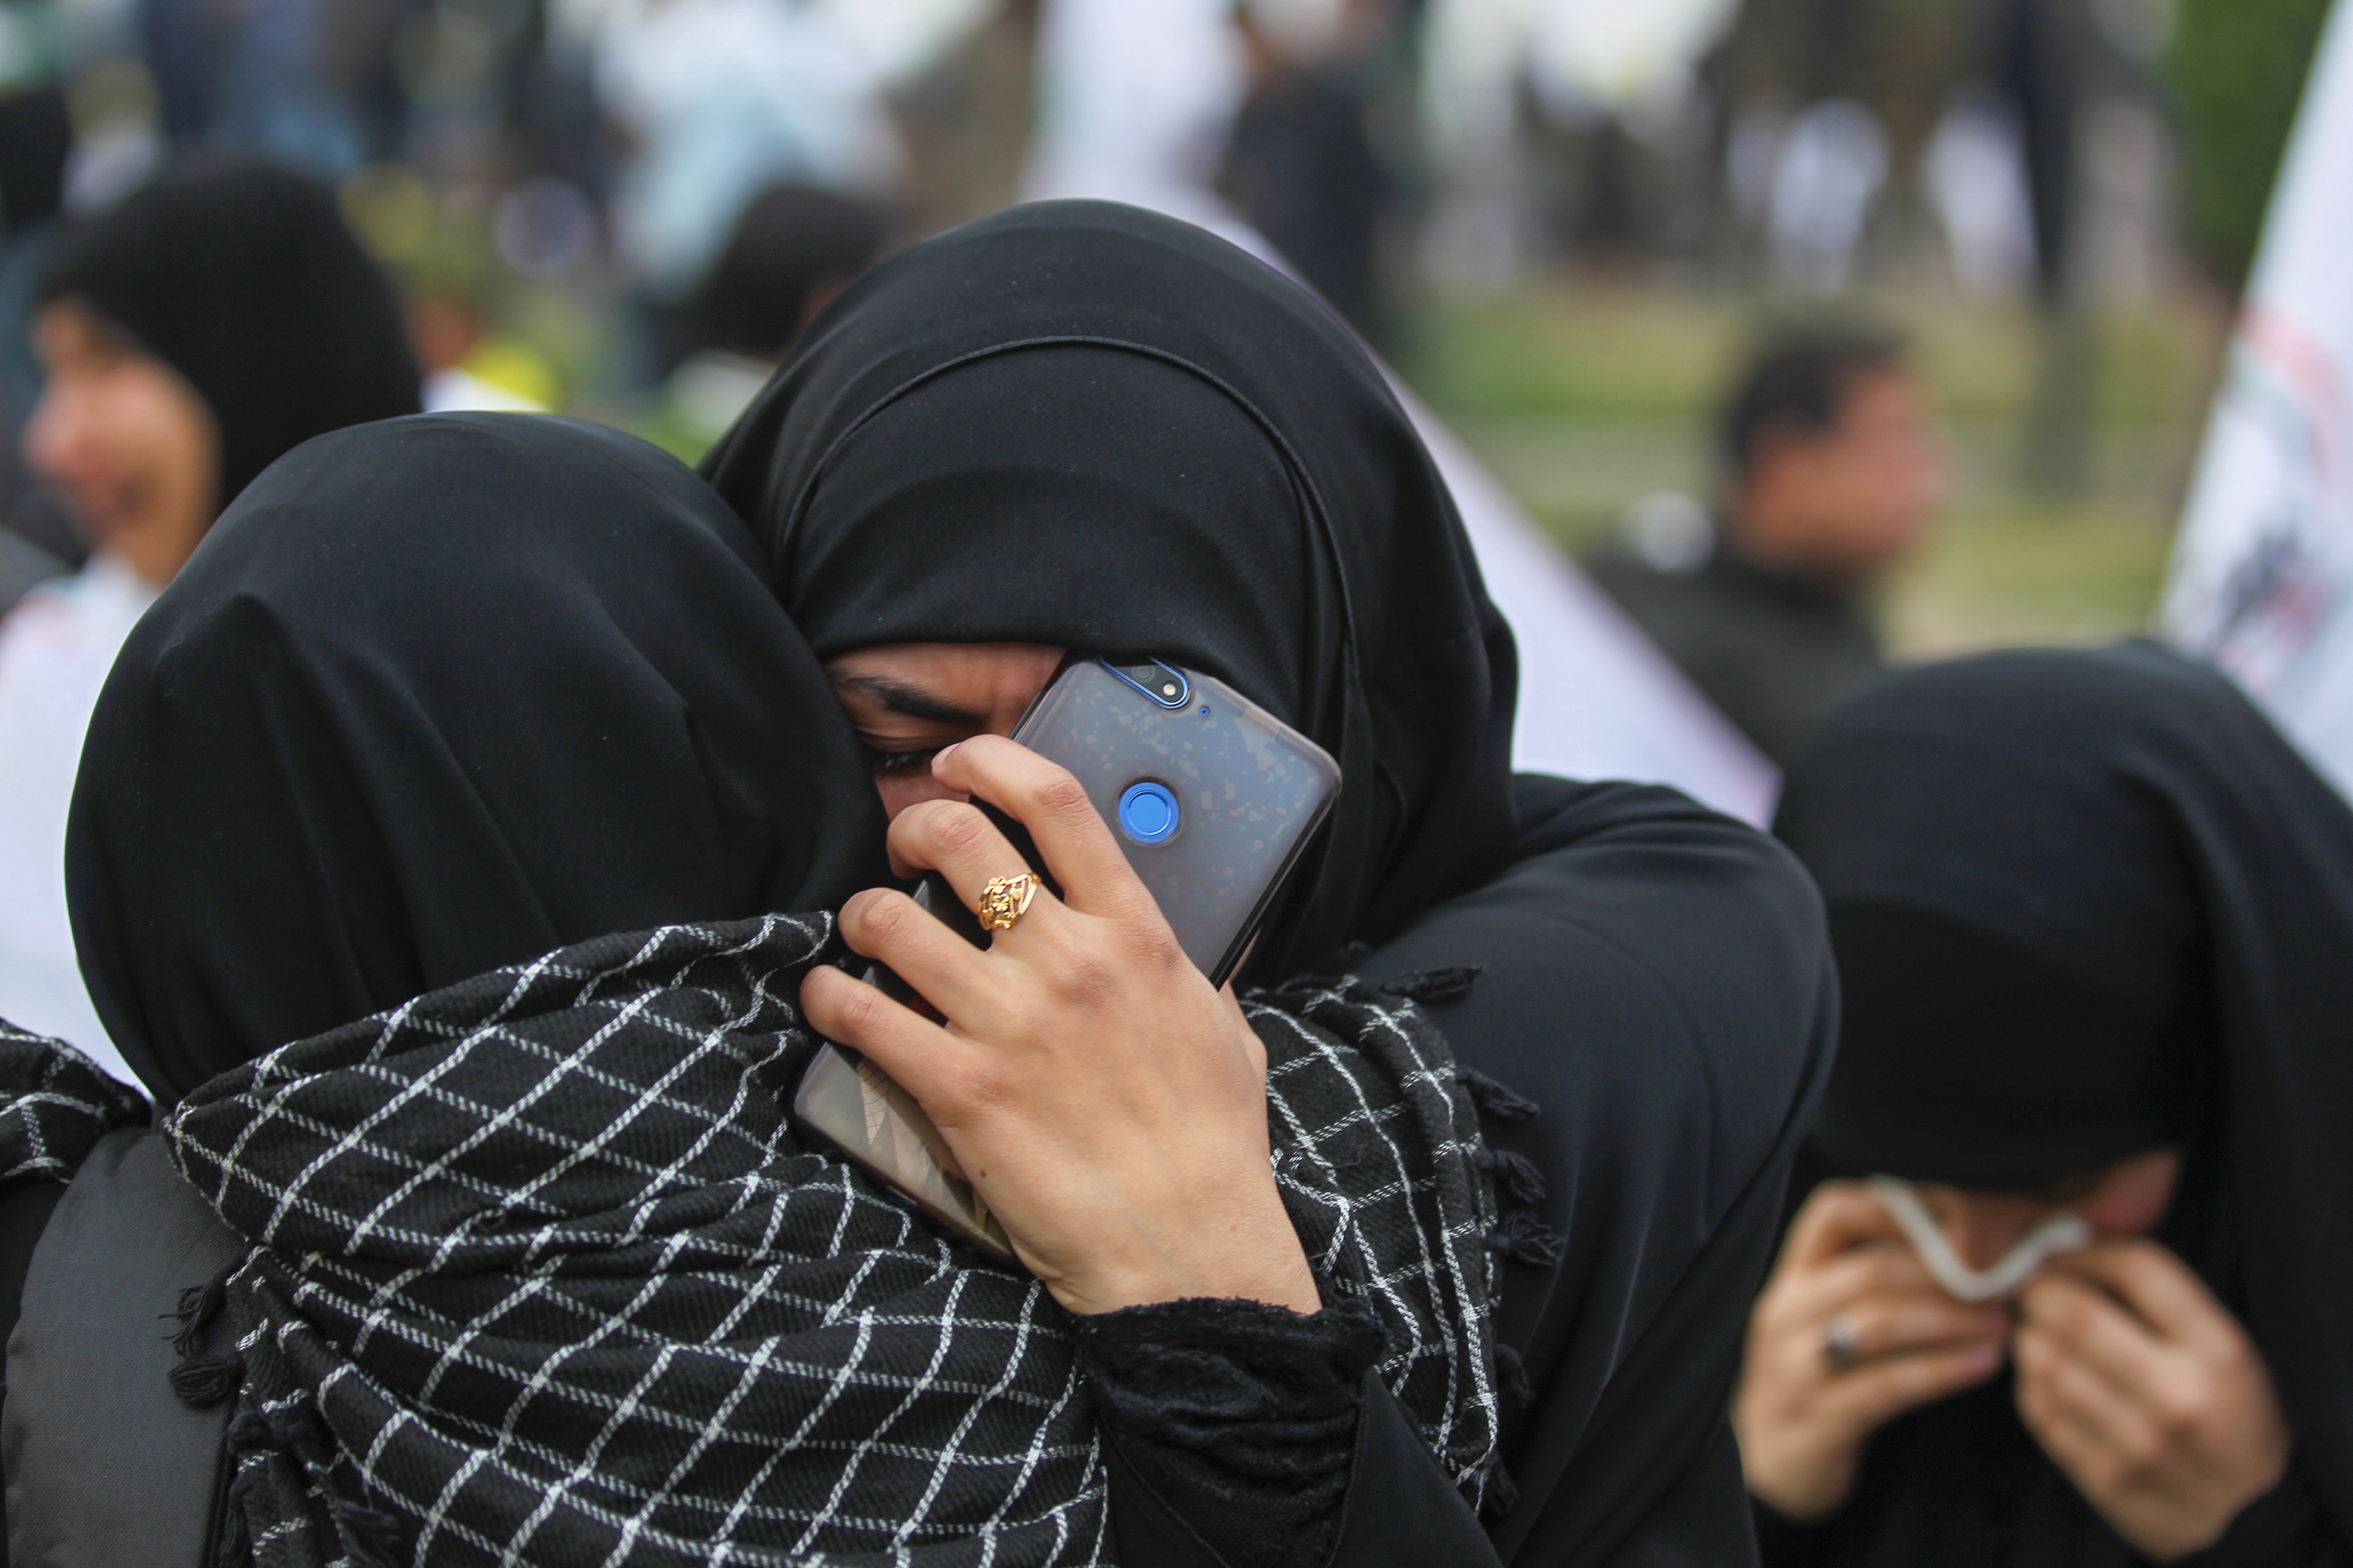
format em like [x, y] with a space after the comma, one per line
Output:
[488, 1246]
[454, 875]
[1076, 426]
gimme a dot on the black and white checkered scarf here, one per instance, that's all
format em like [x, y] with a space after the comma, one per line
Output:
[539, 1271]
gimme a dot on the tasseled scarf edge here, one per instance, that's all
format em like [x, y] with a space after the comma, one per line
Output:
[203, 1380]
[1520, 1235]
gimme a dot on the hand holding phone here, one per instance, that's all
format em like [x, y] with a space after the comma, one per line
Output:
[1106, 1099]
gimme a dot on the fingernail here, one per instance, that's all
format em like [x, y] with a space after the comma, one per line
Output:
[945, 752]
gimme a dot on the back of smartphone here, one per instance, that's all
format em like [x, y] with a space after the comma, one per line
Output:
[1212, 798]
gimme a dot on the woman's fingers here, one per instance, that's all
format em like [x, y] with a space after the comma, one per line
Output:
[1890, 1325]
[2066, 1434]
[1873, 1395]
[954, 838]
[1814, 1294]
[1839, 1217]
[886, 925]
[2071, 1390]
[2157, 1285]
[928, 1062]
[2088, 1328]
[1072, 835]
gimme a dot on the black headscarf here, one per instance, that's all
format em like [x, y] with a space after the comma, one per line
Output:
[433, 697]
[244, 279]
[1099, 429]
[2085, 904]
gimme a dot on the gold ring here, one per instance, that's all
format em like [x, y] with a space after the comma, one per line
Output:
[1006, 899]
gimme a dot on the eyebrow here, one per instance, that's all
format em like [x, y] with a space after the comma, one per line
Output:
[913, 701]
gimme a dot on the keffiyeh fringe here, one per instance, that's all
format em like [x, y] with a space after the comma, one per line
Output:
[539, 1270]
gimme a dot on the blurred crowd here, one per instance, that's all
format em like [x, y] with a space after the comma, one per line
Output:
[2029, 1010]
[556, 182]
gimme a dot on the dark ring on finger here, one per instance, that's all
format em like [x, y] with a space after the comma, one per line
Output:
[1841, 1343]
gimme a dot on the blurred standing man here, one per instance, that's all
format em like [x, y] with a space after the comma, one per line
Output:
[1836, 470]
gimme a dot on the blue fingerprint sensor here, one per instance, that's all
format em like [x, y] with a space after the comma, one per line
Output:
[1148, 813]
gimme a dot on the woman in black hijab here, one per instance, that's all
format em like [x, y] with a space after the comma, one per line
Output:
[2094, 919]
[242, 280]
[548, 710]
[220, 316]
[513, 1252]
[1078, 426]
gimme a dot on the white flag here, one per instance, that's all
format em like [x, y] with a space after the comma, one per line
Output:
[2263, 574]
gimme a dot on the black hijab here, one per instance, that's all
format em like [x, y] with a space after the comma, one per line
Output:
[1096, 427]
[243, 278]
[436, 696]
[2085, 904]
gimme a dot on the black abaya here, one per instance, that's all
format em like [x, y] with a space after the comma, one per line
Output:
[1098, 428]
[244, 279]
[2086, 904]
[1654, 976]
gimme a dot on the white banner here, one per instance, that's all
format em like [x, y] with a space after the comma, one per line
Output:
[2263, 574]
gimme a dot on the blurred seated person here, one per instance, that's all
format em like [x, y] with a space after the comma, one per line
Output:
[2094, 922]
[219, 316]
[794, 249]
[1835, 471]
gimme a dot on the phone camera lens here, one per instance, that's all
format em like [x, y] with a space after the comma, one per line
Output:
[1148, 813]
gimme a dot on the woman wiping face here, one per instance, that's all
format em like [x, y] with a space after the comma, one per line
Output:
[2096, 941]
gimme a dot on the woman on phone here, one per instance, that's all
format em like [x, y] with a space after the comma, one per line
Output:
[2094, 919]
[1076, 426]
[449, 884]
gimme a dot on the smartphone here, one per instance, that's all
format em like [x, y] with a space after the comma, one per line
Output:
[1212, 798]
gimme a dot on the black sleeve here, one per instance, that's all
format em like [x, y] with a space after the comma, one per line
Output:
[1656, 978]
[1242, 1435]
[1783, 1542]
[1702, 1522]
[2285, 1527]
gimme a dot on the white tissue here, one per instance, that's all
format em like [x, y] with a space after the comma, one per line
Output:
[2062, 1232]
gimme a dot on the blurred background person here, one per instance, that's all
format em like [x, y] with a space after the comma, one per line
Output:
[220, 316]
[1835, 471]
[712, 102]
[1301, 164]
[2094, 936]
[794, 249]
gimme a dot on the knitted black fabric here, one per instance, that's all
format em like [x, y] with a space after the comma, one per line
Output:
[540, 1272]
[54, 1102]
